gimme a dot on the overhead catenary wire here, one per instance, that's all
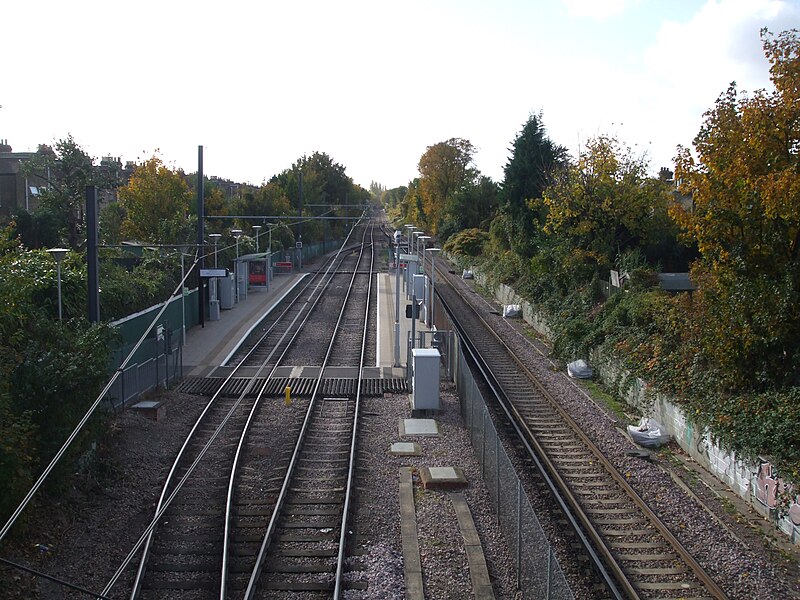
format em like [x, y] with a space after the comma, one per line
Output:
[46, 473]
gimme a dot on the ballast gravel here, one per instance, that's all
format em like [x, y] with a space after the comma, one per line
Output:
[83, 534]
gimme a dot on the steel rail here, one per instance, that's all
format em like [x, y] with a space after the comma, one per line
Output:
[272, 526]
[164, 501]
[710, 585]
[246, 429]
[534, 453]
[337, 590]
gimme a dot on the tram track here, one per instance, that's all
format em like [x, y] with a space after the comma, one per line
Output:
[202, 535]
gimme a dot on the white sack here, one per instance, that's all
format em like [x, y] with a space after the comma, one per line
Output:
[579, 369]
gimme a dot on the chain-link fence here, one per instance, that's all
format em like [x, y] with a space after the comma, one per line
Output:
[538, 571]
[164, 366]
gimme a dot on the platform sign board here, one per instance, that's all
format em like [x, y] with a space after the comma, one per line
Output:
[213, 272]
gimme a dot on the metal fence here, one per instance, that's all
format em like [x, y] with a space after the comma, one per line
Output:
[538, 572]
[139, 378]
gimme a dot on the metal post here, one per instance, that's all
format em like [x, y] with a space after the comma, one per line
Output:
[92, 263]
[200, 235]
[413, 320]
[183, 301]
[397, 307]
[215, 237]
[236, 234]
[257, 227]
[58, 255]
[269, 259]
[433, 252]
[300, 221]
[58, 266]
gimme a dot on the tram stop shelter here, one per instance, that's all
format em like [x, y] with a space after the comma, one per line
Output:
[252, 271]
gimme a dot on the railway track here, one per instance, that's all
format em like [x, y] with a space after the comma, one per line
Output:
[222, 499]
[635, 554]
[306, 540]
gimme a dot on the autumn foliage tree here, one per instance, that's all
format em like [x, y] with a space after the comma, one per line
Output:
[156, 202]
[605, 203]
[445, 169]
[745, 186]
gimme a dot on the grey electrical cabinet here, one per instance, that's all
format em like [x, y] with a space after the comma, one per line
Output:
[425, 381]
[227, 293]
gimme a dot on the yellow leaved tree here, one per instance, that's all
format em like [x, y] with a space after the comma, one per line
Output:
[745, 186]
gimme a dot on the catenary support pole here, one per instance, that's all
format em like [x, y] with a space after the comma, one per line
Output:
[200, 233]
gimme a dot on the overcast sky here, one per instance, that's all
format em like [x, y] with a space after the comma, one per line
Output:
[370, 83]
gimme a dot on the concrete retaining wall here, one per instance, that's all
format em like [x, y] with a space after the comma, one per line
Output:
[754, 482]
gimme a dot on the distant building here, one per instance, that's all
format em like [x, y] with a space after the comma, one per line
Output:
[668, 176]
[17, 191]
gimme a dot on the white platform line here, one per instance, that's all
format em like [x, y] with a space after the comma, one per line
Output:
[378, 321]
[257, 323]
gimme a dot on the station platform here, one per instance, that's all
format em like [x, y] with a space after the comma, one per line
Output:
[385, 354]
[208, 347]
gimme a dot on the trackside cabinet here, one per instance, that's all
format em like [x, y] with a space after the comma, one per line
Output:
[425, 381]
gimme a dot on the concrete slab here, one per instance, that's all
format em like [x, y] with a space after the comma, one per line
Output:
[405, 449]
[419, 427]
[151, 409]
[442, 478]
[478, 571]
[412, 563]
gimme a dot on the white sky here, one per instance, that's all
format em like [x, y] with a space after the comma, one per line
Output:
[370, 83]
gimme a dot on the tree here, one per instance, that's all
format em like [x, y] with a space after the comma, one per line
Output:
[474, 206]
[68, 170]
[445, 169]
[50, 370]
[745, 188]
[156, 202]
[605, 204]
[529, 170]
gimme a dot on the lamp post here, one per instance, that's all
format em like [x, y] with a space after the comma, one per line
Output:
[410, 229]
[183, 250]
[423, 239]
[257, 227]
[408, 235]
[397, 304]
[433, 252]
[414, 244]
[215, 237]
[236, 233]
[269, 255]
[58, 255]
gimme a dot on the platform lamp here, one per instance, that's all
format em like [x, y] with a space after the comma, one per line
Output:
[215, 237]
[58, 255]
[410, 228]
[423, 239]
[183, 250]
[270, 226]
[397, 304]
[257, 227]
[236, 233]
[415, 238]
[433, 252]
